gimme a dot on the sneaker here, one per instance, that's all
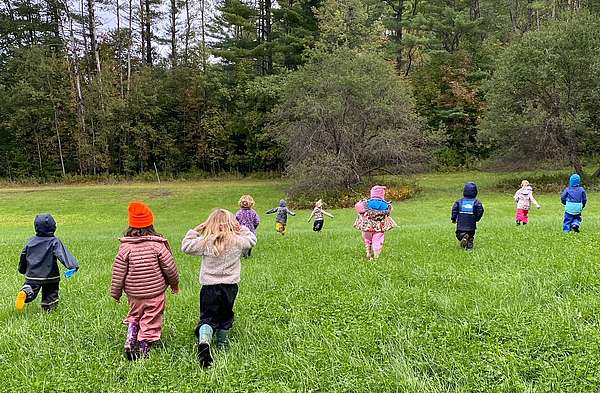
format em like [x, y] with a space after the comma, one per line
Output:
[576, 228]
[204, 354]
[518, 222]
[20, 303]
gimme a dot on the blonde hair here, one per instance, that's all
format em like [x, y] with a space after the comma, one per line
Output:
[220, 229]
[319, 203]
[246, 201]
[524, 183]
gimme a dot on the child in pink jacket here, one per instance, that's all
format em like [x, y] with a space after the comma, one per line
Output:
[524, 198]
[374, 220]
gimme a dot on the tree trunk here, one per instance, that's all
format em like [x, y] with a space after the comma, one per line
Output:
[142, 31]
[129, 48]
[119, 48]
[188, 29]
[203, 32]
[173, 33]
[268, 29]
[92, 30]
[148, 24]
[60, 152]
[399, 13]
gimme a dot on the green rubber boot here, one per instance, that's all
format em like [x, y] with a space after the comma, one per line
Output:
[205, 334]
[222, 339]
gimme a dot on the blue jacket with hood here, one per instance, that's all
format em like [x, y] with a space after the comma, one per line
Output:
[574, 197]
[466, 212]
[39, 257]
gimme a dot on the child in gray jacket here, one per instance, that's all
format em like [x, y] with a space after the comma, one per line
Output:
[39, 264]
[282, 215]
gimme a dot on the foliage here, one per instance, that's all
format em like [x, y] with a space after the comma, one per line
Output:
[345, 117]
[543, 99]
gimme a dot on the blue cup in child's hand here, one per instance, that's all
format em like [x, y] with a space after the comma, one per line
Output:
[69, 273]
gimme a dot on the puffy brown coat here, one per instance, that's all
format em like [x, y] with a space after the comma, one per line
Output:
[143, 268]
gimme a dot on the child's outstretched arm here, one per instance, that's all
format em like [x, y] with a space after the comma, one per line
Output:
[168, 267]
[312, 214]
[62, 253]
[119, 272]
[193, 244]
[290, 212]
[534, 201]
[583, 198]
[271, 211]
[327, 214]
[454, 215]
[23, 261]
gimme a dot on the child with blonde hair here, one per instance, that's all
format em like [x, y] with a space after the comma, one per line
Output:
[219, 241]
[247, 217]
[144, 267]
[524, 198]
[318, 213]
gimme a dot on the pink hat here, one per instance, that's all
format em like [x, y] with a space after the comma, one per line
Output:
[378, 192]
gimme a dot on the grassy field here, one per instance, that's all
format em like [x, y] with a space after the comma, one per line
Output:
[520, 313]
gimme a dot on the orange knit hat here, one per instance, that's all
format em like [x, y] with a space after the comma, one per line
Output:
[140, 215]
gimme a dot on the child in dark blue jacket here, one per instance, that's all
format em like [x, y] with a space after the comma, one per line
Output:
[466, 213]
[574, 198]
[38, 264]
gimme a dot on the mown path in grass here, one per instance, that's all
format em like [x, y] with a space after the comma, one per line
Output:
[517, 314]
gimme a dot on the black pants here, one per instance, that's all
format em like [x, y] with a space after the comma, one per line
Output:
[49, 294]
[470, 240]
[247, 252]
[318, 225]
[216, 306]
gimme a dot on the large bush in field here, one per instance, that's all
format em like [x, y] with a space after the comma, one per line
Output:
[345, 117]
[544, 99]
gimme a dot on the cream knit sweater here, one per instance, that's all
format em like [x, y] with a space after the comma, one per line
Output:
[222, 269]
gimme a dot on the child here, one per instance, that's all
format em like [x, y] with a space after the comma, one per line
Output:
[143, 268]
[220, 241]
[374, 220]
[466, 213]
[574, 198]
[38, 264]
[247, 217]
[318, 213]
[281, 219]
[524, 198]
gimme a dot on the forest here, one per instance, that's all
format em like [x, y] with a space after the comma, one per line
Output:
[117, 87]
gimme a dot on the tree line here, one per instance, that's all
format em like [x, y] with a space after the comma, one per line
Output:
[244, 85]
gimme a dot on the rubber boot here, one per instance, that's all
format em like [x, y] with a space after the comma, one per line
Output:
[205, 334]
[21, 298]
[145, 347]
[222, 339]
[131, 342]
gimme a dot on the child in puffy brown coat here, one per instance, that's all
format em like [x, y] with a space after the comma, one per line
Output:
[144, 267]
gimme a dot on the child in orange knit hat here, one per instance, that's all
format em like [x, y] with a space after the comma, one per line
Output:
[143, 269]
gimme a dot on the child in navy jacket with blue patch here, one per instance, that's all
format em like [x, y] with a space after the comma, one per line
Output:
[466, 213]
[574, 198]
[38, 263]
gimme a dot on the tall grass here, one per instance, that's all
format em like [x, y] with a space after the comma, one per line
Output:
[520, 313]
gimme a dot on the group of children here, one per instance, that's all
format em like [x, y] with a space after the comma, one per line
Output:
[144, 266]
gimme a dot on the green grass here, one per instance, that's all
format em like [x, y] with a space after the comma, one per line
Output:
[520, 313]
